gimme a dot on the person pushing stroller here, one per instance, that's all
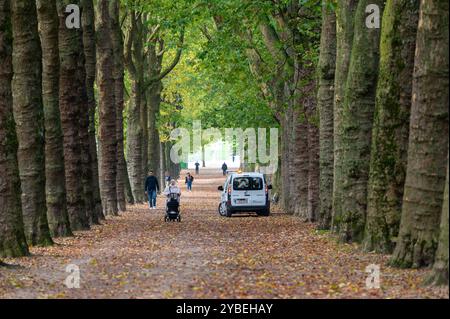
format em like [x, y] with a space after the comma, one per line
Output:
[173, 194]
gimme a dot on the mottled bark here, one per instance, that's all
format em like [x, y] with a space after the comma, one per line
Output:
[313, 170]
[428, 140]
[12, 236]
[85, 140]
[439, 274]
[88, 25]
[391, 125]
[300, 166]
[69, 50]
[128, 192]
[134, 63]
[325, 94]
[55, 182]
[117, 42]
[29, 118]
[154, 101]
[287, 162]
[107, 109]
[356, 125]
[345, 13]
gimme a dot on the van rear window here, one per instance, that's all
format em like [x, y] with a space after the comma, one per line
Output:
[247, 183]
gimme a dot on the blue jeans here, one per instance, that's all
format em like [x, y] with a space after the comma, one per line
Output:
[189, 185]
[151, 198]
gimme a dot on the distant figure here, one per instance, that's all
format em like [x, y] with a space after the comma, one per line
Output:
[224, 168]
[151, 189]
[197, 167]
[167, 178]
[188, 181]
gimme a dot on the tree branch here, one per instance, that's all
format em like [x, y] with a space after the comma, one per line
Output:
[169, 69]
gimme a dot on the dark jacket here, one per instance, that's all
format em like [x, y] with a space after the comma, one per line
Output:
[224, 167]
[189, 179]
[151, 184]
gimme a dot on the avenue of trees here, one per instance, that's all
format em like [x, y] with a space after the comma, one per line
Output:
[363, 111]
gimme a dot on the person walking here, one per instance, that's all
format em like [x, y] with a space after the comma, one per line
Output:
[224, 168]
[172, 188]
[188, 181]
[197, 167]
[151, 189]
[167, 178]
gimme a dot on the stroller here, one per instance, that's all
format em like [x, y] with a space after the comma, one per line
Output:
[172, 208]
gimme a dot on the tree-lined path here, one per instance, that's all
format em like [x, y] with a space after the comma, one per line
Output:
[138, 255]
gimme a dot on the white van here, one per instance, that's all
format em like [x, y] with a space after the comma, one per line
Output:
[245, 192]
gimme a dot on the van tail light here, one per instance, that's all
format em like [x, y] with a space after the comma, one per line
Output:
[229, 190]
[267, 189]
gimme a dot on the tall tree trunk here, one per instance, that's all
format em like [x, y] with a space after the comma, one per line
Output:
[287, 163]
[391, 125]
[313, 171]
[357, 118]
[107, 109]
[128, 192]
[154, 101]
[29, 118]
[428, 140]
[69, 50]
[88, 24]
[55, 182]
[12, 236]
[134, 143]
[345, 13]
[144, 124]
[134, 61]
[300, 166]
[117, 42]
[439, 274]
[85, 141]
[162, 162]
[326, 73]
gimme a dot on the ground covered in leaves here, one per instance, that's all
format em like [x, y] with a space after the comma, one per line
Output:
[138, 255]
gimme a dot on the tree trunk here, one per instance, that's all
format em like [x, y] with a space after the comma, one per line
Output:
[428, 140]
[29, 118]
[154, 101]
[107, 109]
[69, 50]
[391, 125]
[345, 13]
[119, 100]
[128, 192]
[55, 182]
[134, 143]
[356, 124]
[88, 24]
[286, 164]
[300, 168]
[12, 236]
[439, 274]
[313, 171]
[326, 73]
[134, 61]
[85, 142]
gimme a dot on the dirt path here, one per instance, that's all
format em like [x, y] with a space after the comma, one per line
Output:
[138, 255]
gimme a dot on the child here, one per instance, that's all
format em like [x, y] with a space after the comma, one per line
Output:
[188, 181]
